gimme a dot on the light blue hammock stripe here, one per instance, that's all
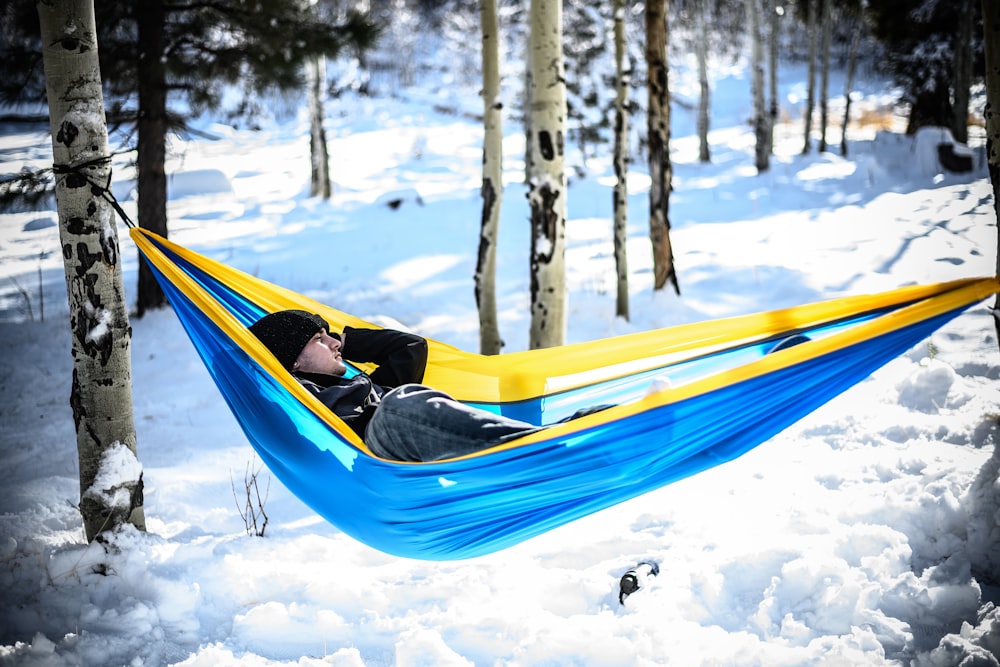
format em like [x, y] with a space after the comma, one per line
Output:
[474, 506]
[553, 407]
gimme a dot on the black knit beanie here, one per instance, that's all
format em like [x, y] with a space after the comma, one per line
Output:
[286, 332]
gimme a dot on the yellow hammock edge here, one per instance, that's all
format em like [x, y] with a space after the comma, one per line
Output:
[935, 300]
[233, 328]
[530, 374]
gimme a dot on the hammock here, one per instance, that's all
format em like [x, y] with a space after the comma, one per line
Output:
[725, 395]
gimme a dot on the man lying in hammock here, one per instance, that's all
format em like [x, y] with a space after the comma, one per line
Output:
[396, 417]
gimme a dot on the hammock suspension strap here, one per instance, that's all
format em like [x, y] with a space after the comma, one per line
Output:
[97, 189]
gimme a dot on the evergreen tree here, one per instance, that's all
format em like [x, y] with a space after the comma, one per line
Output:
[164, 63]
[963, 69]
[991, 39]
[919, 37]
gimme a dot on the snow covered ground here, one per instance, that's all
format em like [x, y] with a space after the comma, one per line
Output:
[865, 534]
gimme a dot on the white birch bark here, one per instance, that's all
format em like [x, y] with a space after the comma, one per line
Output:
[492, 188]
[101, 398]
[526, 111]
[623, 76]
[319, 185]
[704, 99]
[762, 132]
[773, 39]
[547, 189]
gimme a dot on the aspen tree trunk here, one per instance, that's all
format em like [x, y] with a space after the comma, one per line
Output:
[151, 131]
[824, 87]
[319, 184]
[704, 99]
[852, 64]
[492, 189]
[101, 398]
[658, 130]
[991, 45]
[773, 37]
[760, 116]
[623, 76]
[963, 71]
[547, 189]
[526, 113]
[813, 9]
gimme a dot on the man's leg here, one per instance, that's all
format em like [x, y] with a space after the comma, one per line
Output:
[417, 423]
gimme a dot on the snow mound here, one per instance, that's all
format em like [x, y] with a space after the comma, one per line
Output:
[934, 386]
[983, 501]
[198, 182]
[976, 646]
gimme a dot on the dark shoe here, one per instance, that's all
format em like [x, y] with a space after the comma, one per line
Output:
[633, 579]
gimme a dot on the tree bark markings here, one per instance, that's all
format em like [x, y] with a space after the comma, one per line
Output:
[100, 397]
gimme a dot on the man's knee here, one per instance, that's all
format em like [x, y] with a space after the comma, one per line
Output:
[408, 400]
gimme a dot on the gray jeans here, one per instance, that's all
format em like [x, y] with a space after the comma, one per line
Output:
[417, 423]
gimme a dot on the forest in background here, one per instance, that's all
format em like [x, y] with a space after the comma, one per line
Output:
[421, 43]
[165, 64]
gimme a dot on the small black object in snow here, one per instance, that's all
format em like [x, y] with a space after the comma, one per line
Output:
[632, 580]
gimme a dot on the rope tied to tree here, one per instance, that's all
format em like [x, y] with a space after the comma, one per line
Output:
[97, 189]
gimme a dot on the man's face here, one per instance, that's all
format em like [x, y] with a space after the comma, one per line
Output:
[321, 355]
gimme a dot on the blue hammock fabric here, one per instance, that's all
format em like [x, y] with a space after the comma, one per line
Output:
[483, 503]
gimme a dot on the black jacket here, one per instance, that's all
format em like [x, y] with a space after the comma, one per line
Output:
[401, 359]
